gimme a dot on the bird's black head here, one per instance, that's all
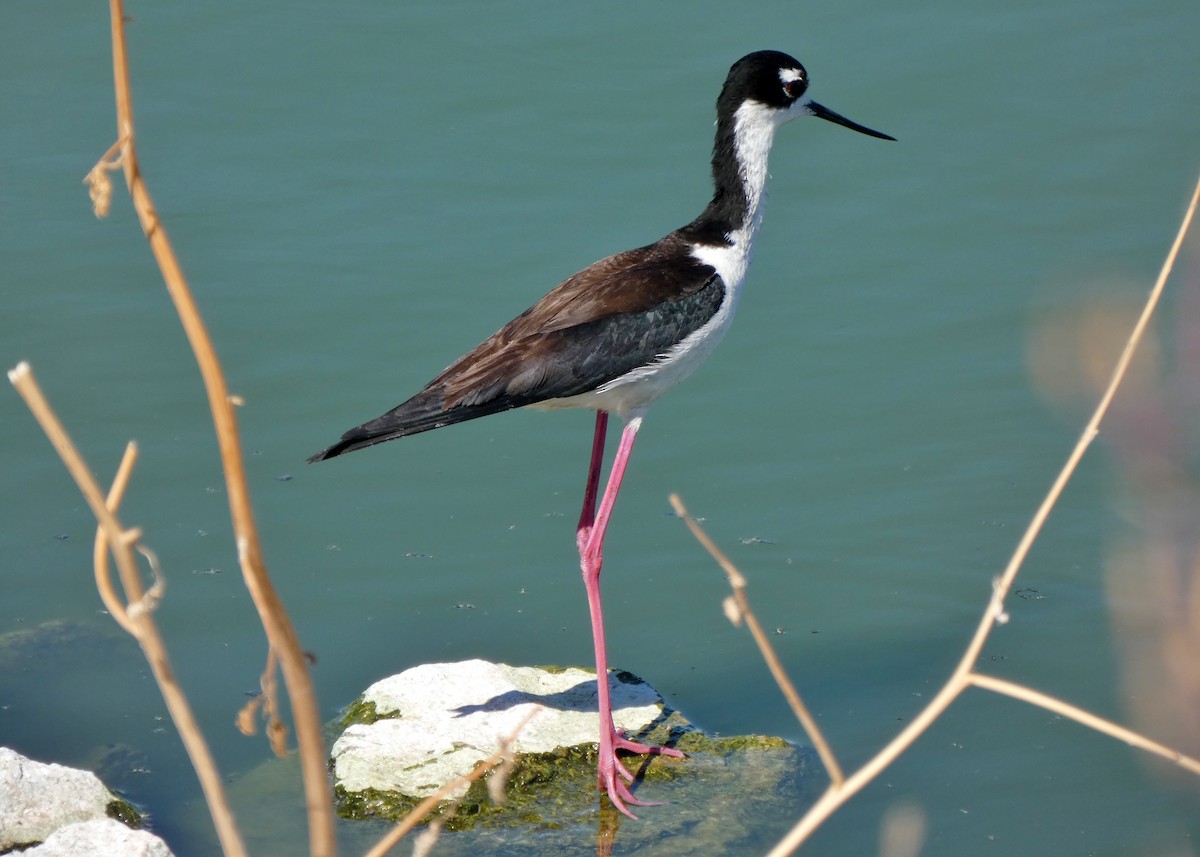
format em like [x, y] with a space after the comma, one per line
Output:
[769, 77]
[779, 83]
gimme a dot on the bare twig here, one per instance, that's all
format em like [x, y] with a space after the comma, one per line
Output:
[743, 612]
[1079, 715]
[280, 634]
[963, 675]
[960, 679]
[501, 757]
[104, 584]
[139, 623]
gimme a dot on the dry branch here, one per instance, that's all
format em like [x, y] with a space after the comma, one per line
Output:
[742, 612]
[501, 758]
[136, 614]
[1080, 715]
[281, 636]
[841, 790]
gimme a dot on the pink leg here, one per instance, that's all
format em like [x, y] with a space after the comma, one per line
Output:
[590, 538]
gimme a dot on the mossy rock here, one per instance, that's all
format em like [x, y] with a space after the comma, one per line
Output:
[451, 710]
[557, 789]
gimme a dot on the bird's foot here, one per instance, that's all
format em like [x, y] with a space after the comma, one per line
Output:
[613, 775]
[620, 742]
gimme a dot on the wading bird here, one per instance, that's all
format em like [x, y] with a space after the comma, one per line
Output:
[618, 334]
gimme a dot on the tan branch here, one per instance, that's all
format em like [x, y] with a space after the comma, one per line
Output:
[139, 623]
[743, 612]
[960, 679]
[418, 813]
[280, 634]
[1080, 715]
[104, 583]
[963, 675]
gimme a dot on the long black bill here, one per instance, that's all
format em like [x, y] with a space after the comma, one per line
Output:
[822, 112]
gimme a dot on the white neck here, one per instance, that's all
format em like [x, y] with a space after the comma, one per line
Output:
[754, 127]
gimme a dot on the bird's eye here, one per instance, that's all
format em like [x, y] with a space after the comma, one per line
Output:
[795, 88]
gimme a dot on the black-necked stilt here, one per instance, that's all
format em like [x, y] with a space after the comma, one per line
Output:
[618, 334]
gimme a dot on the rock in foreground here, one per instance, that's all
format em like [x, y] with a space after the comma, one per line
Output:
[68, 811]
[100, 838]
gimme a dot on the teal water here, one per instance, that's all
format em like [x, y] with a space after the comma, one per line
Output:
[360, 193]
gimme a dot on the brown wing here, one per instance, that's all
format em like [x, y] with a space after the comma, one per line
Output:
[626, 284]
[610, 318]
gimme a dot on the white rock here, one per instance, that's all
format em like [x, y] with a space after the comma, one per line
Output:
[100, 838]
[66, 810]
[37, 799]
[443, 718]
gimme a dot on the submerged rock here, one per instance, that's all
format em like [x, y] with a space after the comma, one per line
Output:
[410, 733]
[59, 641]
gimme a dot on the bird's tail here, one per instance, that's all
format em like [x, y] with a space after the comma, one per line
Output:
[422, 412]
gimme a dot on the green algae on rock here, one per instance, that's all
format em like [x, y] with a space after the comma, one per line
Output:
[549, 786]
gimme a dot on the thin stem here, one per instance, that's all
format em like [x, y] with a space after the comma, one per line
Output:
[104, 584]
[280, 634]
[140, 623]
[738, 583]
[1079, 715]
[418, 812]
[963, 675]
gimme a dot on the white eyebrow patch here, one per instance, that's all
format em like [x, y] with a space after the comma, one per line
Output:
[787, 75]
